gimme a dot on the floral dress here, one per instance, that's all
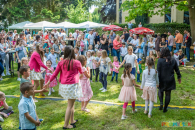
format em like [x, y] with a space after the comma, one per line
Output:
[47, 77]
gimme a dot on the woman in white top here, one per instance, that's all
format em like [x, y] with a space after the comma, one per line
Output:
[149, 83]
[28, 36]
[151, 45]
[140, 25]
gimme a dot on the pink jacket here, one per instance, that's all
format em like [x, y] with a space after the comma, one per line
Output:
[36, 63]
[67, 77]
[117, 65]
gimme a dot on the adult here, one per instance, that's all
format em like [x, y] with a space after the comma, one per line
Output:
[171, 41]
[164, 35]
[130, 25]
[71, 42]
[140, 25]
[188, 42]
[112, 36]
[129, 39]
[37, 41]
[104, 43]
[91, 38]
[15, 32]
[134, 42]
[126, 36]
[151, 45]
[145, 49]
[97, 37]
[36, 62]
[178, 39]
[165, 67]
[75, 37]
[69, 87]
[94, 33]
[28, 37]
[157, 43]
[116, 47]
[56, 34]
[185, 36]
[140, 45]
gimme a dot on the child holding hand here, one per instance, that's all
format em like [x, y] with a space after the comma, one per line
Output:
[115, 71]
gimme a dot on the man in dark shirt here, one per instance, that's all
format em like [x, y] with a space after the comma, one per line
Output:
[188, 44]
[164, 35]
[126, 36]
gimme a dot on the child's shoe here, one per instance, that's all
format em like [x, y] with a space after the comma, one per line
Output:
[145, 112]
[52, 90]
[124, 117]
[49, 93]
[149, 116]
[134, 111]
[104, 90]
[19, 79]
[101, 88]
[1, 119]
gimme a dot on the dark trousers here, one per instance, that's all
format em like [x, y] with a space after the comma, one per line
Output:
[90, 74]
[96, 73]
[103, 81]
[167, 98]
[113, 74]
[116, 53]
[188, 53]
[1, 67]
[138, 77]
[6, 111]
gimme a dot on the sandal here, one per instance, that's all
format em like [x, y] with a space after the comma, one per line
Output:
[86, 110]
[74, 123]
[74, 126]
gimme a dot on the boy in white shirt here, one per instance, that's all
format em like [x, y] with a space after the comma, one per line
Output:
[123, 51]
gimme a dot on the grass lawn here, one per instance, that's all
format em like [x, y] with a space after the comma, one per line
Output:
[107, 117]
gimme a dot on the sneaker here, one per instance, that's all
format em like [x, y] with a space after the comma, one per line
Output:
[145, 112]
[49, 93]
[134, 111]
[104, 90]
[149, 116]
[19, 79]
[52, 90]
[101, 88]
[123, 117]
[8, 74]
[35, 100]
[184, 65]
[1, 119]
[187, 61]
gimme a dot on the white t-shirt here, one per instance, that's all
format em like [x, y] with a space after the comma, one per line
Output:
[131, 59]
[74, 35]
[56, 34]
[28, 38]
[90, 62]
[139, 25]
[63, 35]
[135, 42]
[62, 46]
[171, 39]
[91, 39]
[104, 65]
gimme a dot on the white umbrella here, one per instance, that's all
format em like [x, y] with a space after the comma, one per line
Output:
[89, 24]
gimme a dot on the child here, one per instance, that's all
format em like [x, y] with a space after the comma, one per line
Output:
[123, 50]
[97, 65]
[62, 46]
[47, 53]
[78, 45]
[27, 110]
[139, 61]
[149, 82]
[19, 54]
[176, 56]
[56, 49]
[6, 110]
[76, 51]
[53, 57]
[94, 65]
[151, 55]
[182, 59]
[90, 61]
[116, 63]
[128, 91]
[29, 54]
[47, 77]
[97, 46]
[105, 63]
[85, 84]
[24, 61]
[90, 48]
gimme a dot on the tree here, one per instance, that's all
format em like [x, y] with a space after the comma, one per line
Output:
[139, 7]
[96, 16]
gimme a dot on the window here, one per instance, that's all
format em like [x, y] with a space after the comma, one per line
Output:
[120, 12]
[186, 17]
[168, 15]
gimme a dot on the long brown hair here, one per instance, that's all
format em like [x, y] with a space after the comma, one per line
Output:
[150, 63]
[126, 71]
[18, 40]
[41, 53]
[69, 55]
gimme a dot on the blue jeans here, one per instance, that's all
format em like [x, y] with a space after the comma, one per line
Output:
[138, 77]
[133, 71]
[108, 52]
[115, 53]
[103, 81]
[1, 67]
[178, 46]
[74, 43]
[122, 58]
[113, 74]
[170, 48]
[188, 53]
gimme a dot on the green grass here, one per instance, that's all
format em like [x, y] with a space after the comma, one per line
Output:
[102, 116]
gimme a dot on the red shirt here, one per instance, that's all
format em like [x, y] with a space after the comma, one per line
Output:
[115, 44]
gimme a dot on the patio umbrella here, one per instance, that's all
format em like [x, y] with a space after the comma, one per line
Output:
[112, 27]
[141, 30]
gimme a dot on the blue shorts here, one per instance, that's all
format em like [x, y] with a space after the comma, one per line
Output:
[170, 48]
[133, 71]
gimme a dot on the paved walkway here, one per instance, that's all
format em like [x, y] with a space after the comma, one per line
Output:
[105, 103]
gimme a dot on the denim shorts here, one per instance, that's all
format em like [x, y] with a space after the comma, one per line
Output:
[170, 48]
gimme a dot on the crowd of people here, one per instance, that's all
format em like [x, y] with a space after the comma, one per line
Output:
[41, 59]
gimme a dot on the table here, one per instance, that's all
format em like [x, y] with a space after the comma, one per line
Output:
[12, 62]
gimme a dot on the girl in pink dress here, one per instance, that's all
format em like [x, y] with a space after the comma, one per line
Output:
[48, 75]
[128, 91]
[85, 84]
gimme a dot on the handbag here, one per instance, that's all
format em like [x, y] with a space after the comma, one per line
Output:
[118, 50]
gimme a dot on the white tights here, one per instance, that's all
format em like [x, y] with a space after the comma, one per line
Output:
[150, 106]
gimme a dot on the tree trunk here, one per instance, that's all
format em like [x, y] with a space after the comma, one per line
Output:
[192, 19]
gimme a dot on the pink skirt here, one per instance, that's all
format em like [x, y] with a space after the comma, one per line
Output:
[127, 94]
[150, 93]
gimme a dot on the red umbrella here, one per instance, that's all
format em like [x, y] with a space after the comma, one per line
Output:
[141, 30]
[112, 27]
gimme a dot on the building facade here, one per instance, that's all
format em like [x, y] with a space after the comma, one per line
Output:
[175, 15]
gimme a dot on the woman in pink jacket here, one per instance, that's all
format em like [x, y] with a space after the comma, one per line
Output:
[69, 87]
[36, 62]
[116, 47]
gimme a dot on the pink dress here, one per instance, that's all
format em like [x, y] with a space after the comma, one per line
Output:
[82, 45]
[47, 77]
[86, 87]
[117, 65]
[128, 91]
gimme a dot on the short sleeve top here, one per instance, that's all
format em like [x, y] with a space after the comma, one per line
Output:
[20, 51]
[130, 59]
[104, 65]
[83, 70]
[1, 103]
[128, 82]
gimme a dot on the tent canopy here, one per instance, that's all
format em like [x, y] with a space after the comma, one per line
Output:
[39, 25]
[19, 25]
[89, 24]
[63, 25]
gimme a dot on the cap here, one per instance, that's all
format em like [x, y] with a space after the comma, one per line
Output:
[139, 59]
[175, 51]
